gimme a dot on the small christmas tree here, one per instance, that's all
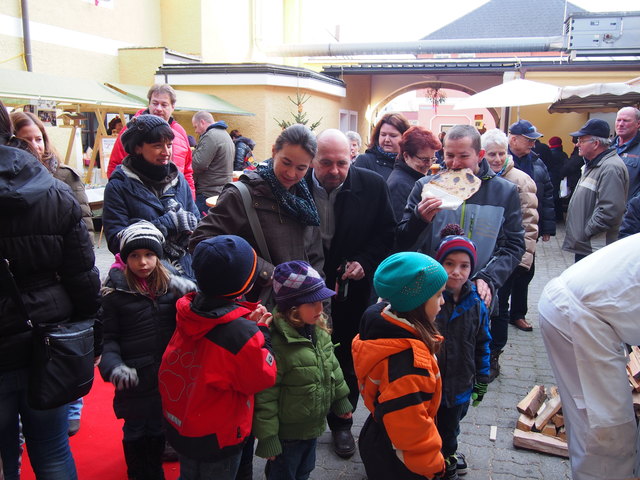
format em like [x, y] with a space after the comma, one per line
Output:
[301, 115]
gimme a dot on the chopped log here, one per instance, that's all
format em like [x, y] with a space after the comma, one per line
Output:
[634, 363]
[549, 429]
[540, 443]
[552, 407]
[635, 386]
[558, 420]
[493, 433]
[541, 409]
[636, 402]
[532, 402]
[553, 392]
[525, 422]
[562, 434]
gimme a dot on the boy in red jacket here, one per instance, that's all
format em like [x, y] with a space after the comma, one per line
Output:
[218, 358]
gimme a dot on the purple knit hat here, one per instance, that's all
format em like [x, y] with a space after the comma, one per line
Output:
[296, 283]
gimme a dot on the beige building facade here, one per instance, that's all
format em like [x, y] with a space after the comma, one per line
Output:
[232, 49]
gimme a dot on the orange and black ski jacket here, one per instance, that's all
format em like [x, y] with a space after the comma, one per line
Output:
[400, 383]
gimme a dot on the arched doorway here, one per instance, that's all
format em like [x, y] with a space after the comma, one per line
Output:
[455, 117]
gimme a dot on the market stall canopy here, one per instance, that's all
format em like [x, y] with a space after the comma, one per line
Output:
[514, 93]
[596, 97]
[18, 87]
[187, 101]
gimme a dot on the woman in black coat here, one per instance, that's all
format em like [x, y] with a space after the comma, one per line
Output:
[417, 152]
[555, 166]
[51, 257]
[385, 144]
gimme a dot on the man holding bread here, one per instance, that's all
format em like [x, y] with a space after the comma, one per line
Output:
[490, 217]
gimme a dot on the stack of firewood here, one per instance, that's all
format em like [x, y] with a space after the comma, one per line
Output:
[541, 425]
[633, 372]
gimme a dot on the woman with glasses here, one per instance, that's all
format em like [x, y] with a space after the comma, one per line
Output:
[417, 153]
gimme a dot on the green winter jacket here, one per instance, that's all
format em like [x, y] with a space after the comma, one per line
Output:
[309, 383]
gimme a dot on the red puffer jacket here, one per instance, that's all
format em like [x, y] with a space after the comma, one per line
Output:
[210, 371]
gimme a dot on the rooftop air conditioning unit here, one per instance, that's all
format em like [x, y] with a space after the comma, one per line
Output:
[607, 33]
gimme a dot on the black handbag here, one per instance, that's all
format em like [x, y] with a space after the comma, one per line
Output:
[62, 359]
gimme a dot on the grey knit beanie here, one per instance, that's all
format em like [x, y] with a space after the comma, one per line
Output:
[142, 234]
[138, 129]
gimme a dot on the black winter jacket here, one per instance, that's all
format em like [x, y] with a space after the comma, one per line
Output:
[49, 250]
[400, 183]
[573, 170]
[630, 155]
[491, 217]
[137, 330]
[244, 146]
[463, 358]
[546, 209]
[631, 220]
[364, 232]
[376, 162]
[556, 166]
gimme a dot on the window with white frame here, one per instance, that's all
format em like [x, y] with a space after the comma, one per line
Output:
[348, 120]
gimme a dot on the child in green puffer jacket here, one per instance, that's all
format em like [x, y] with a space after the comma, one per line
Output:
[290, 416]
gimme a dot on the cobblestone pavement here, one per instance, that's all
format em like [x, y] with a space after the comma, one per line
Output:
[523, 364]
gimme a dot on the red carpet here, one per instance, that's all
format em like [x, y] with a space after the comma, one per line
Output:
[97, 447]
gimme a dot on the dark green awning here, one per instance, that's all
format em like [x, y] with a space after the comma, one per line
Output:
[187, 101]
[18, 87]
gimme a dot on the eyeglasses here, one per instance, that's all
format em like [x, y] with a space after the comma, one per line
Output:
[527, 140]
[586, 140]
[426, 159]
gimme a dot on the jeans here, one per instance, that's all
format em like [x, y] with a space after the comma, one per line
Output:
[296, 462]
[75, 409]
[45, 431]
[225, 469]
[448, 420]
[515, 288]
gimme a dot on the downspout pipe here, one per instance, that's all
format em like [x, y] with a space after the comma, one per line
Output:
[475, 45]
[26, 35]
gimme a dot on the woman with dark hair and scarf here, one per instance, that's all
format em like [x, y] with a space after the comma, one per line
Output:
[385, 144]
[147, 185]
[287, 214]
[283, 203]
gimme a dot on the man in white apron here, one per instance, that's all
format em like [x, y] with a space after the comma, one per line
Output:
[587, 315]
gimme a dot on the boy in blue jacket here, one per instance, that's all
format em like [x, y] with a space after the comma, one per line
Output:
[463, 358]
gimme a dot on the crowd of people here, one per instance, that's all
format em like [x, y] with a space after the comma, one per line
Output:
[319, 277]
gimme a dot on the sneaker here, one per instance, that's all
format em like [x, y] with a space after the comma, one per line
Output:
[450, 468]
[461, 466]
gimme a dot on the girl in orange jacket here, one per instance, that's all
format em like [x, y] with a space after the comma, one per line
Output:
[397, 371]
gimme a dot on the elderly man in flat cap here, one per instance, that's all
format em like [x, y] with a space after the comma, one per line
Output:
[597, 205]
